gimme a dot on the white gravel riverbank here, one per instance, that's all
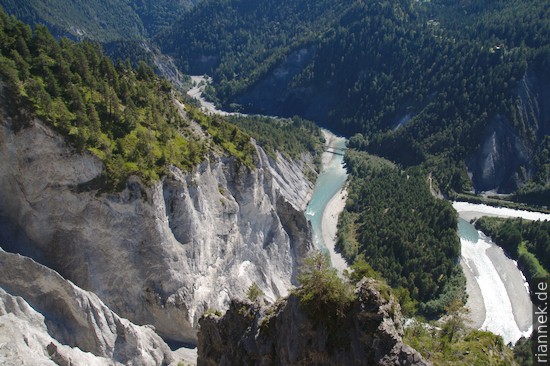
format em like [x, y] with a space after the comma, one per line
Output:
[498, 299]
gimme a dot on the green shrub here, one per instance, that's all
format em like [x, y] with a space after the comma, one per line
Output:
[254, 292]
[322, 293]
[212, 311]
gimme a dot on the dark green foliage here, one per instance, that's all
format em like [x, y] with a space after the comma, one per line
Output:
[125, 116]
[449, 82]
[523, 351]
[290, 136]
[402, 231]
[537, 192]
[510, 238]
[418, 80]
[103, 21]
[244, 37]
[157, 15]
[454, 288]
[131, 51]
[526, 241]
[323, 295]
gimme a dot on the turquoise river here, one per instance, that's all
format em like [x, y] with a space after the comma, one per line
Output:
[331, 180]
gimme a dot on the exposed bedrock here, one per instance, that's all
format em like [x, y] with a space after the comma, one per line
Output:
[46, 319]
[283, 334]
[157, 255]
[504, 160]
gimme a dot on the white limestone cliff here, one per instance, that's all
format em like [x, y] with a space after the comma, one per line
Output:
[45, 319]
[158, 255]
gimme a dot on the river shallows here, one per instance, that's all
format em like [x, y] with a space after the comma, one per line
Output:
[506, 302]
[330, 182]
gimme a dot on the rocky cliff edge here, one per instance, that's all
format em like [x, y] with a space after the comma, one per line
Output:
[158, 255]
[282, 334]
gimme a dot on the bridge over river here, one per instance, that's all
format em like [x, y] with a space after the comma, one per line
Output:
[335, 150]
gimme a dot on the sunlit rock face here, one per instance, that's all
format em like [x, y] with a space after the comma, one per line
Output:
[157, 255]
[47, 319]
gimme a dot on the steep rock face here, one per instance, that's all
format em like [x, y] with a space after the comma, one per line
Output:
[160, 255]
[532, 104]
[46, 319]
[283, 335]
[504, 160]
[496, 165]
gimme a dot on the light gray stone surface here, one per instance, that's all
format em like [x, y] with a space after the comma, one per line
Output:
[45, 319]
[158, 255]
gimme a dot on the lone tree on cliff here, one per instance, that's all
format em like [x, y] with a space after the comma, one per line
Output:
[322, 292]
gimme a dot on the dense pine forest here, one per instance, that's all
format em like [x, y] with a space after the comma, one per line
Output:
[126, 116]
[415, 82]
[420, 83]
[393, 223]
[102, 21]
[238, 42]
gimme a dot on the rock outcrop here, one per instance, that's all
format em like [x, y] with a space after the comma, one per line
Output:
[504, 160]
[45, 319]
[532, 94]
[158, 255]
[282, 334]
[496, 165]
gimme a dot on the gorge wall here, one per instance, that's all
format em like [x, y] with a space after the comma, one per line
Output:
[283, 334]
[46, 319]
[504, 160]
[158, 255]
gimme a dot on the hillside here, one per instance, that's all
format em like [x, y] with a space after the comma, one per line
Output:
[129, 118]
[141, 212]
[103, 21]
[459, 87]
[454, 87]
[393, 223]
[127, 196]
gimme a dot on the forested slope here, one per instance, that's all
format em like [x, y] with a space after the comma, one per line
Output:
[239, 41]
[419, 81]
[393, 223]
[124, 116]
[104, 21]
[127, 117]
